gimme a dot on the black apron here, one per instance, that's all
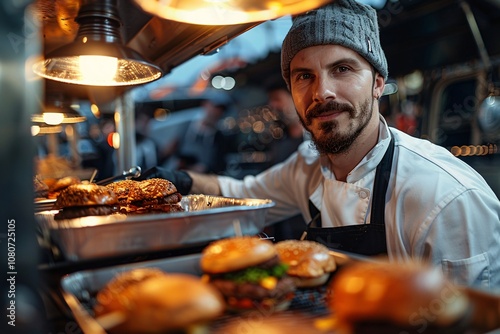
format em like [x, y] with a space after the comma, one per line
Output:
[365, 239]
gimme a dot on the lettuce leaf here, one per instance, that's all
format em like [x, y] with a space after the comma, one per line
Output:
[256, 274]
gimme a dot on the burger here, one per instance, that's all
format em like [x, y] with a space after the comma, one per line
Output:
[122, 189]
[148, 300]
[405, 296]
[58, 185]
[80, 200]
[148, 196]
[248, 273]
[309, 263]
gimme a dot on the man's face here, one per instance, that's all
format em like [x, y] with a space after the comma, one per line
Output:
[333, 90]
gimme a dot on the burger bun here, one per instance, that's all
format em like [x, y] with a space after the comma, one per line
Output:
[309, 263]
[148, 301]
[236, 253]
[85, 195]
[394, 293]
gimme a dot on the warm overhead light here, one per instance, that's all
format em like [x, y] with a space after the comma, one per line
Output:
[56, 118]
[97, 57]
[37, 130]
[226, 12]
[53, 118]
[56, 111]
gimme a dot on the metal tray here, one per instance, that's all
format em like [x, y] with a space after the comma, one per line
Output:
[44, 205]
[309, 305]
[206, 218]
[80, 288]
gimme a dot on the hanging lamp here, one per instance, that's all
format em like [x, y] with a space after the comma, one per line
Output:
[97, 56]
[56, 111]
[226, 12]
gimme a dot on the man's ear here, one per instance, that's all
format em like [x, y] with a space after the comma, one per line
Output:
[378, 87]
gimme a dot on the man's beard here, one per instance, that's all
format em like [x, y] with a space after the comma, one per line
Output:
[329, 140]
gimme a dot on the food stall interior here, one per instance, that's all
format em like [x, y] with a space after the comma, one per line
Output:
[433, 37]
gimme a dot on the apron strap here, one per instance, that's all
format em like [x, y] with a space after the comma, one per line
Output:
[380, 185]
[382, 176]
[315, 215]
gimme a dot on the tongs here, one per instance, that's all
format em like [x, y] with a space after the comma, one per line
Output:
[132, 173]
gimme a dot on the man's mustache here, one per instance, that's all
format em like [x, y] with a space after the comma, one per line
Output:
[319, 109]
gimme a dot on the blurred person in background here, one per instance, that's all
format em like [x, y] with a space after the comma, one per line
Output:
[406, 120]
[146, 147]
[201, 146]
[280, 99]
[99, 133]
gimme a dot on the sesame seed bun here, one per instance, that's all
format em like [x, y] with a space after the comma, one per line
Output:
[85, 195]
[155, 188]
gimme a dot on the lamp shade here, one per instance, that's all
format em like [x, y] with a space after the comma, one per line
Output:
[45, 129]
[57, 110]
[226, 12]
[97, 57]
[56, 117]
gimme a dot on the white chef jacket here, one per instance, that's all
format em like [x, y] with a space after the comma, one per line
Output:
[438, 209]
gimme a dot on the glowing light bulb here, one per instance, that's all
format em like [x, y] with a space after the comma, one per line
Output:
[35, 129]
[53, 118]
[98, 69]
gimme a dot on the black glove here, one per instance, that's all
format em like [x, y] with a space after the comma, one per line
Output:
[182, 181]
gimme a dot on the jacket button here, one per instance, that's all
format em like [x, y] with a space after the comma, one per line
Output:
[363, 194]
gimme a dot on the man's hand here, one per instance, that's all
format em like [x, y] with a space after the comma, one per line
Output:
[182, 181]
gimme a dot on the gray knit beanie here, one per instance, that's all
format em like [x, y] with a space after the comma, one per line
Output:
[343, 22]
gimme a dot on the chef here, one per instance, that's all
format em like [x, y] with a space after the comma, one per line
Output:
[362, 186]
